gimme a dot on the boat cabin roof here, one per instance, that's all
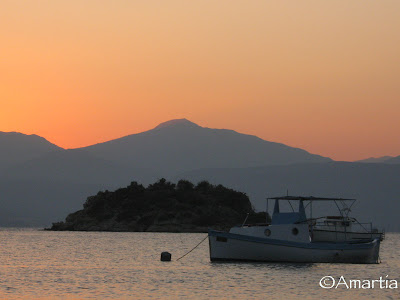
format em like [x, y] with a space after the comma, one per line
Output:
[279, 217]
[309, 198]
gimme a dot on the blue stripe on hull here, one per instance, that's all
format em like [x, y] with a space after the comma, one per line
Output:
[311, 245]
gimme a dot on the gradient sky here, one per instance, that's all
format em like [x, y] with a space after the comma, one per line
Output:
[319, 75]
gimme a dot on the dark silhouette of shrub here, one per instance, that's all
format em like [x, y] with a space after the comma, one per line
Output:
[184, 186]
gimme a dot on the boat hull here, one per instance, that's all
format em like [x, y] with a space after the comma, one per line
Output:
[235, 247]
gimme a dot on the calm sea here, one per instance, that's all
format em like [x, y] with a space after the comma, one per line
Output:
[37, 264]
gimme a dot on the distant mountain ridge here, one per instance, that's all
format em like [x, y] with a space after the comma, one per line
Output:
[176, 122]
[74, 166]
[383, 159]
[179, 145]
[17, 147]
[375, 159]
[393, 160]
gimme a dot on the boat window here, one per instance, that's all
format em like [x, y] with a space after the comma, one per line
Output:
[295, 231]
[221, 239]
[331, 223]
[267, 232]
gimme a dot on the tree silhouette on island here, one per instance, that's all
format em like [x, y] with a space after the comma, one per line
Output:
[163, 207]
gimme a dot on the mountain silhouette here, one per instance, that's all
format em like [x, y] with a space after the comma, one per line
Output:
[375, 159]
[180, 145]
[393, 160]
[75, 166]
[177, 122]
[16, 147]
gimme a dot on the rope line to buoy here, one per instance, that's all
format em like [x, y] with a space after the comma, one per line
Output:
[193, 248]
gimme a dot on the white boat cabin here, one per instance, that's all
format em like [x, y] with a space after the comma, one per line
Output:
[295, 226]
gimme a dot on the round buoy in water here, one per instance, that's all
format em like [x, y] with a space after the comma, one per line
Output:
[165, 256]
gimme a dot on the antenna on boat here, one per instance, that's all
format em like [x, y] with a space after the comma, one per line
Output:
[244, 222]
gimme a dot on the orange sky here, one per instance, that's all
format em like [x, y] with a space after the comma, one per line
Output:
[319, 75]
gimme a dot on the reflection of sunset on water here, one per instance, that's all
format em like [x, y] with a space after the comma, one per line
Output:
[126, 265]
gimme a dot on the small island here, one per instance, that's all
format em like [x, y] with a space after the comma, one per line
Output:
[163, 207]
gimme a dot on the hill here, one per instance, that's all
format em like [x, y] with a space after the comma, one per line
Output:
[163, 207]
[181, 145]
[77, 166]
[393, 160]
[375, 159]
[17, 148]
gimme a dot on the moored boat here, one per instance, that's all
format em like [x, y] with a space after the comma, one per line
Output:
[289, 238]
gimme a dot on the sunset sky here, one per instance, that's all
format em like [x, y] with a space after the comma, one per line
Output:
[320, 75]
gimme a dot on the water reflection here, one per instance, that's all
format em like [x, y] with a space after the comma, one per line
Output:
[41, 264]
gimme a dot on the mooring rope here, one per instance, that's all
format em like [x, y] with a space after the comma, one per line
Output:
[193, 248]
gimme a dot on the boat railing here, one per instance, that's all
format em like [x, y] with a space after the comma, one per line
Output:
[338, 228]
[355, 227]
[340, 223]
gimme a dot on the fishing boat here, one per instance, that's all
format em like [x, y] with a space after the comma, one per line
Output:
[290, 237]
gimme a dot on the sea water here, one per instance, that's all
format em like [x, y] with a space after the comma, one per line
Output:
[37, 264]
